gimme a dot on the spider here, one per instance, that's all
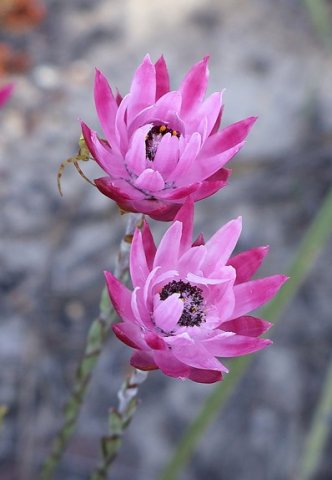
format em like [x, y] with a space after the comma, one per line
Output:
[83, 155]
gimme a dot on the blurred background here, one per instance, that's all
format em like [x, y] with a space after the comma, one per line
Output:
[274, 57]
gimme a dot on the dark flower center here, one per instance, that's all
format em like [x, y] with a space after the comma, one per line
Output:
[192, 296]
[153, 138]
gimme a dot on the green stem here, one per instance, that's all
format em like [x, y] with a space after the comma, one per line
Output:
[97, 335]
[320, 429]
[118, 420]
[312, 244]
[321, 19]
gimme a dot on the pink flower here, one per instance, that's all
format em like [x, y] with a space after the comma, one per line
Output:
[162, 145]
[190, 302]
[5, 93]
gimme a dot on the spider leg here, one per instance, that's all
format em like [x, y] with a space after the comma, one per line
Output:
[75, 161]
[61, 170]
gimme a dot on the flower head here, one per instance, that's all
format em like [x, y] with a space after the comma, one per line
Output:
[190, 301]
[5, 93]
[162, 145]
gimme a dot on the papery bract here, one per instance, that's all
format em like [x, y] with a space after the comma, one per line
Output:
[190, 301]
[162, 145]
[5, 93]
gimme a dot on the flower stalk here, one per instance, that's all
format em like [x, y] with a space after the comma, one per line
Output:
[97, 335]
[118, 420]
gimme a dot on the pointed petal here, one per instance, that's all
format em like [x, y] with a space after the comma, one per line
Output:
[193, 353]
[168, 312]
[246, 325]
[106, 105]
[168, 250]
[247, 263]
[209, 110]
[167, 155]
[143, 361]
[130, 334]
[204, 376]
[183, 170]
[136, 155]
[207, 166]
[186, 216]
[170, 365]
[164, 111]
[228, 137]
[154, 341]
[220, 246]
[150, 180]
[162, 77]
[121, 130]
[191, 260]
[143, 88]
[194, 85]
[148, 244]
[108, 160]
[120, 297]
[253, 294]
[234, 345]
[139, 270]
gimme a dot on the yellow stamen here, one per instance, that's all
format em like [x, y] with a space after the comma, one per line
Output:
[162, 128]
[174, 133]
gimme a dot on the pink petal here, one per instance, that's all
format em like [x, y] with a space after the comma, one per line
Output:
[246, 263]
[118, 97]
[139, 308]
[121, 130]
[199, 240]
[216, 126]
[246, 325]
[207, 166]
[111, 162]
[5, 93]
[186, 216]
[204, 376]
[222, 296]
[193, 353]
[208, 110]
[150, 180]
[253, 294]
[167, 155]
[194, 85]
[162, 77]
[148, 244]
[120, 297]
[178, 193]
[118, 189]
[143, 88]
[168, 250]
[136, 155]
[143, 361]
[139, 270]
[182, 172]
[164, 111]
[106, 105]
[212, 184]
[191, 260]
[228, 137]
[170, 365]
[130, 334]
[168, 312]
[221, 245]
[234, 345]
[154, 341]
